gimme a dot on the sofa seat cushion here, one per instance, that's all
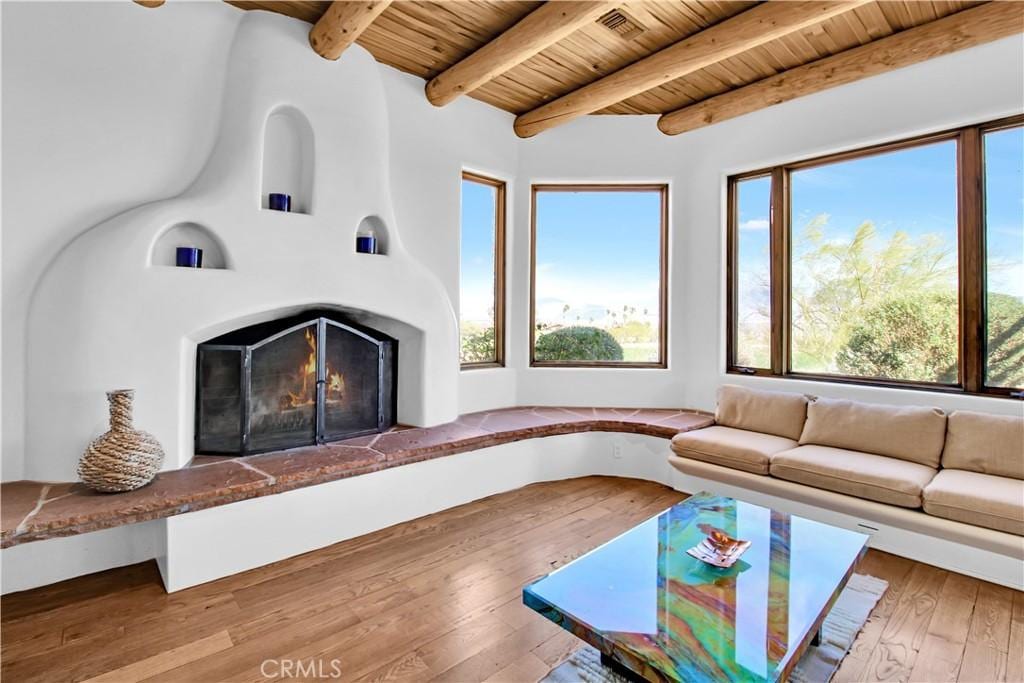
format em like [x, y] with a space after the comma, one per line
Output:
[736, 448]
[864, 475]
[984, 500]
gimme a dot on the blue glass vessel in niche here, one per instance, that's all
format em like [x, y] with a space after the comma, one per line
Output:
[366, 244]
[188, 257]
[279, 202]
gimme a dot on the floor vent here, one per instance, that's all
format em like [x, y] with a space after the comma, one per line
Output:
[621, 24]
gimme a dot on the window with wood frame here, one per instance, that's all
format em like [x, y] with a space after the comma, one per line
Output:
[482, 272]
[598, 275]
[899, 265]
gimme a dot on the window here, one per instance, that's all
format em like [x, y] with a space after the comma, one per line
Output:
[873, 266]
[752, 285]
[482, 272]
[598, 275]
[1004, 257]
[885, 265]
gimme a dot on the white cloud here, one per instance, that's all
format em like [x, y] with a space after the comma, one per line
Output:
[755, 224]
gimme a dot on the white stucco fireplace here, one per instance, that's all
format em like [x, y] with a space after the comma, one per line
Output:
[112, 310]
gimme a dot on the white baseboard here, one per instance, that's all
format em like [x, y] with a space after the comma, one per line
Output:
[939, 552]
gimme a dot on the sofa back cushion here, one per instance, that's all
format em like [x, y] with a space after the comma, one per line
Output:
[913, 433]
[770, 412]
[990, 444]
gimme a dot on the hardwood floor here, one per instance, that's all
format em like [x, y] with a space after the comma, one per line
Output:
[439, 599]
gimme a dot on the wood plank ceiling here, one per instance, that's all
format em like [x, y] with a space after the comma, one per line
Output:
[426, 38]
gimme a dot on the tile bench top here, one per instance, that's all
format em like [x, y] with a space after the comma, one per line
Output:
[34, 510]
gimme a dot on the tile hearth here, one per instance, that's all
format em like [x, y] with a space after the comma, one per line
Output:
[33, 510]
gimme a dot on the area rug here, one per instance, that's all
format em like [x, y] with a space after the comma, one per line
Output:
[818, 664]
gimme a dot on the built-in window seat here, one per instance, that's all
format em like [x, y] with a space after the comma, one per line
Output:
[949, 487]
[34, 510]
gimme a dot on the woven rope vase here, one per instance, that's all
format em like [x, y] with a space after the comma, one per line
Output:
[124, 458]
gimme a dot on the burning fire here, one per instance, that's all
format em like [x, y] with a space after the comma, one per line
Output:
[306, 380]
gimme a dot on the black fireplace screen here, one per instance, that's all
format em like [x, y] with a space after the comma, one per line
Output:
[303, 380]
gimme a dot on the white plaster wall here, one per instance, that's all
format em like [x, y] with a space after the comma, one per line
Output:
[102, 110]
[430, 147]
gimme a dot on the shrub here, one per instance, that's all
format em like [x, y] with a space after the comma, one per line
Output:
[577, 343]
[913, 337]
[477, 345]
[1005, 341]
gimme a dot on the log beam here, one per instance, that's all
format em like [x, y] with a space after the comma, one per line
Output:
[762, 24]
[341, 24]
[540, 29]
[964, 29]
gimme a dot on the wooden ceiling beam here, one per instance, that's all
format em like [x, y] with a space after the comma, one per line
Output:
[762, 24]
[964, 29]
[341, 24]
[538, 30]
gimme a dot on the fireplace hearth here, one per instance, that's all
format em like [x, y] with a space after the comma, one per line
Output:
[298, 381]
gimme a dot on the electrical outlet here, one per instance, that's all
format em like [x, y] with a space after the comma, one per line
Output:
[617, 451]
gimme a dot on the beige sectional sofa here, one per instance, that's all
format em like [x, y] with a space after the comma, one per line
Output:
[959, 476]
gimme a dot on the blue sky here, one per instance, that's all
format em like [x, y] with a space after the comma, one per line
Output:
[477, 254]
[913, 190]
[599, 250]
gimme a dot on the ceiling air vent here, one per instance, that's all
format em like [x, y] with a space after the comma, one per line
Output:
[621, 24]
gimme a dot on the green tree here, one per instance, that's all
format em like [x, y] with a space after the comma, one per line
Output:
[477, 345]
[837, 283]
[577, 343]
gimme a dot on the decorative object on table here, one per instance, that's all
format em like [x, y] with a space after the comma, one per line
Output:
[366, 242]
[838, 632]
[124, 458]
[279, 202]
[188, 257]
[718, 549]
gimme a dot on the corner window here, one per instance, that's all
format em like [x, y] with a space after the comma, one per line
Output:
[898, 265]
[482, 272]
[598, 275]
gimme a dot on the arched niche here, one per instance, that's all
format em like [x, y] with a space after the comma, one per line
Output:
[165, 247]
[375, 225]
[288, 159]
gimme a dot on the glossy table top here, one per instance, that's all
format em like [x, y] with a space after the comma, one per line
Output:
[647, 604]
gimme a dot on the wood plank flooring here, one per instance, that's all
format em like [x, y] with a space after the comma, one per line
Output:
[438, 599]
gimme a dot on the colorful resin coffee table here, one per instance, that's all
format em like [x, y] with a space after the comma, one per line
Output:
[662, 614]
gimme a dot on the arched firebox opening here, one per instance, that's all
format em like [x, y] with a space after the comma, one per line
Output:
[311, 378]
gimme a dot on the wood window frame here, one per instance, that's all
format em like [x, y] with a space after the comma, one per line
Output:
[500, 187]
[970, 190]
[663, 191]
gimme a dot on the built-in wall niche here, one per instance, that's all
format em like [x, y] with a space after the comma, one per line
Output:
[288, 159]
[164, 251]
[373, 225]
